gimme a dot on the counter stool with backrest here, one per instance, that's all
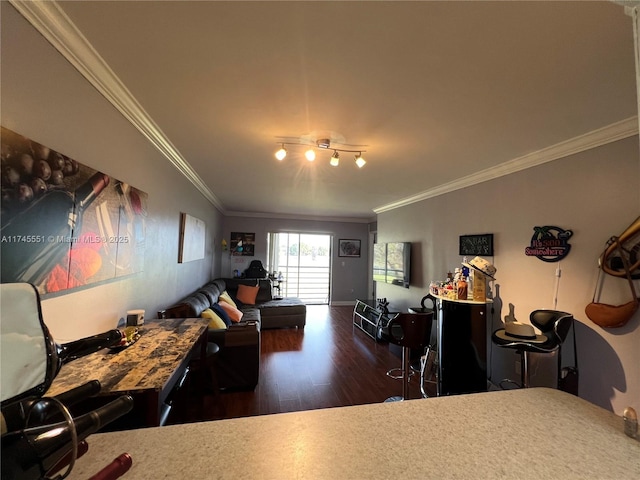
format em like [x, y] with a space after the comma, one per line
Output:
[554, 326]
[427, 365]
[410, 331]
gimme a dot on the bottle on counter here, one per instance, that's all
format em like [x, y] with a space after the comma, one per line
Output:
[462, 288]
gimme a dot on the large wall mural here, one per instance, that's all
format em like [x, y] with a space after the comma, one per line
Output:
[65, 225]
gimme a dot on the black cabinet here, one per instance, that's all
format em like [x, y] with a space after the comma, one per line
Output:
[462, 346]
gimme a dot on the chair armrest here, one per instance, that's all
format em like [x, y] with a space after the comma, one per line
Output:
[243, 333]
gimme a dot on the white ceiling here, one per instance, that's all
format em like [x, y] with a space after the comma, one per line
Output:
[437, 91]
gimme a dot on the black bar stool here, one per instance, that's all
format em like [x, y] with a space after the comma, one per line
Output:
[410, 331]
[428, 364]
[554, 326]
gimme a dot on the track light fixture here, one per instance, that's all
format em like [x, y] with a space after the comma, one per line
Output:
[325, 144]
[280, 154]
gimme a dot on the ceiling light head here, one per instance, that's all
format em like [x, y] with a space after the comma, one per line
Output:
[310, 155]
[280, 154]
[360, 162]
[323, 142]
[335, 159]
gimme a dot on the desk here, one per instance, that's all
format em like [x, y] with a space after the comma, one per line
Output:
[148, 370]
[535, 433]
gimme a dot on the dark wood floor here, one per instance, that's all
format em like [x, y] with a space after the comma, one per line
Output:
[328, 364]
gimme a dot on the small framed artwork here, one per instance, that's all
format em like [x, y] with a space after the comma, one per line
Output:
[348, 248]
[192, 238]
[477, 244]
[243, 244]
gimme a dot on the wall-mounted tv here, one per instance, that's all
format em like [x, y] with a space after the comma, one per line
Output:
[392, 263]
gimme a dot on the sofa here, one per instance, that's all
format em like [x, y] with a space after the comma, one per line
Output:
[238, 360]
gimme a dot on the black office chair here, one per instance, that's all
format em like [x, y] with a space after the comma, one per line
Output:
[410, 331]
[554, 326]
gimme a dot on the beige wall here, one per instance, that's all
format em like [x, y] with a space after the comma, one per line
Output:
[349, 275]
[46, 99]
[596, 194]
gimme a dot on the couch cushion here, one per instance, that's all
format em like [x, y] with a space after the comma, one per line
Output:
[214, 319]
[211, 291]
[196, 303]
[286, 306]
[247, 294]
[234, 314]
[226, 298]
[251, 314]
[264, 294]
[221, 313]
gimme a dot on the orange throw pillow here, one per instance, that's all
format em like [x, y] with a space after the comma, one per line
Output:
[234, 314]
[247, 294]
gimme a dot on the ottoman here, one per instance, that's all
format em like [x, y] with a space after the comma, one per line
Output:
[286, 312]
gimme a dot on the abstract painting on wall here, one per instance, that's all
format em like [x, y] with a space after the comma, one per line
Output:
[192, 238]
[65, 225]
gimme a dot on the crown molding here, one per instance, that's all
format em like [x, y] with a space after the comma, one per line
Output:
[313, 218]
[590, 140]
[56, 27]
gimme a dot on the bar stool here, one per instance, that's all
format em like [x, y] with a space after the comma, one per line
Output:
[410, 331]
[554, 326]
[427, 366]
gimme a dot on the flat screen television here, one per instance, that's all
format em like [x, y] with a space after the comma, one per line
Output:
[392, 263]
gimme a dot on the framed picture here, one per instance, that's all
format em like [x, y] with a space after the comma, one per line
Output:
[243, 244]
[41, 245]
[348, 248]
[192, 238]
[477, 244]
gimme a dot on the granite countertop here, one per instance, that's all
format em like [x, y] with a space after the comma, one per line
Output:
[534, 433]
[145, 365]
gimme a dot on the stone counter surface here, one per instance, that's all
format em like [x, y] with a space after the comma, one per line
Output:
[535, 433]
[145, 365]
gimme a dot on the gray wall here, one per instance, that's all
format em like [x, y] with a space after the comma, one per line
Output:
[596, 195]
[46, 99]
[349, 275]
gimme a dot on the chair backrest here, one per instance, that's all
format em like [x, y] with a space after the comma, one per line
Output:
[26, 346]
[553, 323]
[411, 330]
[255, 270]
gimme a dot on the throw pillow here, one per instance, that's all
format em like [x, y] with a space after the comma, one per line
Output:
[214, 319]
[225, 297]
[247, 294]
[234, 314]
[221, 313]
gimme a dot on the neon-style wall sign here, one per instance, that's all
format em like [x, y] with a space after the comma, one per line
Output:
[549, 244]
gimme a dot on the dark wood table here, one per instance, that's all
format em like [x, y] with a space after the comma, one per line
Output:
[149, 370]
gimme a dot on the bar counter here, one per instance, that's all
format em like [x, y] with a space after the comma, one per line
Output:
[534, 433]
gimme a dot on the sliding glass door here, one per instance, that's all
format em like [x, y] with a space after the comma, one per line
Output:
[304, 262]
